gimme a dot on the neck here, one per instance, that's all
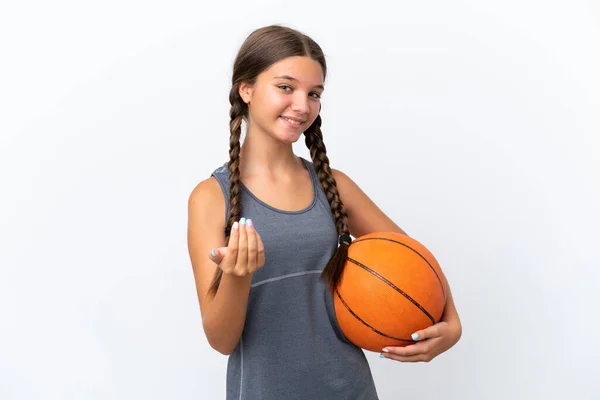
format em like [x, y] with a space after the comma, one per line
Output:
[262, 154]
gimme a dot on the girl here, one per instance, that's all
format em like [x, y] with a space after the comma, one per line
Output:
[276, 229]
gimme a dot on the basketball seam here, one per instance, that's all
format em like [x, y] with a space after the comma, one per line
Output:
[396, 288]
[419, 254]
[366, 324]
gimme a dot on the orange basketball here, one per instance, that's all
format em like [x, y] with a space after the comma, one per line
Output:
[391, 287]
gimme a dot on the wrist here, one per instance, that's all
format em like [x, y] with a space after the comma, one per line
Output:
[238, 280]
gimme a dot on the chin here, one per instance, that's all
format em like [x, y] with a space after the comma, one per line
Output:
[285, 136]
[288, 138]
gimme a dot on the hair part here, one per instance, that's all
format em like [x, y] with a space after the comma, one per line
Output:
[261, 49]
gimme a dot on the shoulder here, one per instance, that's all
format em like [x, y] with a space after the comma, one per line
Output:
[343, 182]
[364, 216]
[205, 186]
[207, 198]
[350, 193]
[339, 175]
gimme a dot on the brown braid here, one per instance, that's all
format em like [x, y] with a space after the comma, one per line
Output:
[236, 113]
[314, 141]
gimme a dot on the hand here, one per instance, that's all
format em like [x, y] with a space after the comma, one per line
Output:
[431, 342]
[245, 252]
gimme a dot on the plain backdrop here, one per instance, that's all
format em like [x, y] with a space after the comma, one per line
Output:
[473, 124]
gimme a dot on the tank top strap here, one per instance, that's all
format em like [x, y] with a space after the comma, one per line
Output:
[320, 193]
[221, 174]
[311, 169]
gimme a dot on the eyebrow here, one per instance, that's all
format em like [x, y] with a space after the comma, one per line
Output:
[291, 78]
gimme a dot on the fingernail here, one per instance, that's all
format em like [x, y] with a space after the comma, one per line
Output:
[249, 222]
[243, 221]
[385, 350]
[415, 336]
[212, 253]
[235, 225]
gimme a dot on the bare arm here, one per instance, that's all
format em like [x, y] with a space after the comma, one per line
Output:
[365, 217]
[224, 314]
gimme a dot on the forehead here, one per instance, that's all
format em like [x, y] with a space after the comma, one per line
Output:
[304, 69]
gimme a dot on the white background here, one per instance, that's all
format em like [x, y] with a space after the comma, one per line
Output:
[474, 124]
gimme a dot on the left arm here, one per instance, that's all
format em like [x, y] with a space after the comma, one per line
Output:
[365, 217]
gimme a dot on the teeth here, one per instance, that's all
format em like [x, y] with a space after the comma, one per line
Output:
[293, 122]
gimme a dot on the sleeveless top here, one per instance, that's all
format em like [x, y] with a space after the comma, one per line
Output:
[291, 347]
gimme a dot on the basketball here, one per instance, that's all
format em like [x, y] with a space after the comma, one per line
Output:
[391, 287]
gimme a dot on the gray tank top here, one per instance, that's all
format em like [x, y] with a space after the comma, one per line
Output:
[291, 346]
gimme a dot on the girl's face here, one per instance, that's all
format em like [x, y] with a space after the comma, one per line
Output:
[285, 99]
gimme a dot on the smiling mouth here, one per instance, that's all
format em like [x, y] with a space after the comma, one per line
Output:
[292, 122]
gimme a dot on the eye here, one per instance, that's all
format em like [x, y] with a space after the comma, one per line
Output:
[285, 88]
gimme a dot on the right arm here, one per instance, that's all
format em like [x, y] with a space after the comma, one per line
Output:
[224, 314]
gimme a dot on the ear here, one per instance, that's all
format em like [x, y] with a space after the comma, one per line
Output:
[245, 90]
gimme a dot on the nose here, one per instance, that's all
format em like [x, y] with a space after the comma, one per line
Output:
[300, 103]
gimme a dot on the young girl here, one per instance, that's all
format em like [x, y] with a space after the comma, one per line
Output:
[268, 232]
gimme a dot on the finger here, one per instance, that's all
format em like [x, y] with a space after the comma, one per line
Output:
[241, 264]
[230, 258]
[217, 254]
[260, 251]
[252, 249]
[416, 358]
[408, 351]
[430, 332]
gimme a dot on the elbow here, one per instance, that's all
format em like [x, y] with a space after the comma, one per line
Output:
[225, 352]
[218, 342]
[221, 347]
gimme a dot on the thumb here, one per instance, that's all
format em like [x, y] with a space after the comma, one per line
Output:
[217, 254]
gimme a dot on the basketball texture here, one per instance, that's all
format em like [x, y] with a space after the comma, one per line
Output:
[391, 287]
